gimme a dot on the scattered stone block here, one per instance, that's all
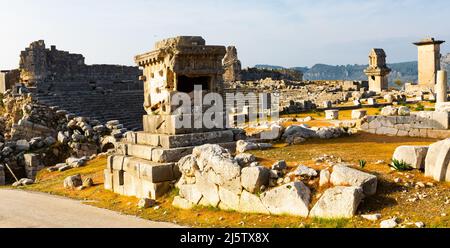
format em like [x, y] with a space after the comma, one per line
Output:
[437, 161]
[413, 155]
[359, 114]
[346, 176]
[324, 177]
[390, 223]
[252, 178]
[182, 203]
[245, 159]
[332, 114]
[291, 199]
[389, 111]
[371, 217]
[338, 202]
[73, 182]
[305, 171]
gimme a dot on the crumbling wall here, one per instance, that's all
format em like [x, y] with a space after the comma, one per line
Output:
[425, 124]
[39, 64]
[50, 133]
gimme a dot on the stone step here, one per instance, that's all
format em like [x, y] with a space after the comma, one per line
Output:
[159, 154]
[181, 140]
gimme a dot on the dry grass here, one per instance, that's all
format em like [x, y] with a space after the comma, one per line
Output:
[391, 199]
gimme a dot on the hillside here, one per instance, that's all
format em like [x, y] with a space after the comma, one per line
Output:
[405, 71]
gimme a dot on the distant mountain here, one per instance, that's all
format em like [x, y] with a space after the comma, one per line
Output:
[269, 67]
[405, 71]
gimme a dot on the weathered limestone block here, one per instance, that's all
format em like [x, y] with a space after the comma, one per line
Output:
[291, 199]
[437, 161]
[108, 179]
[145, 138]
[252, 178]
[217, 158]
[188, 165]
[244, 159]
[196, 139]
[438, 134]
[345, 176]
[140, 151]
[209, 190]
[404, 111]
[389, 111]
[442, 106]
[324, 177]
[229, 199]
[413, 155]
[250, 203]
[332, 114]
[162, 155]
[72, 182]
[358, 114]
[388, 121]
[118, 179]
[243, 146]
[153, 190]
[154, 172]
[389, 98]
[191, 193]
[131, 185]
[173, 124]
[338, 202]
[374, 124]
[302, 170]
[298, 131]
[181, 203]
[274, 133]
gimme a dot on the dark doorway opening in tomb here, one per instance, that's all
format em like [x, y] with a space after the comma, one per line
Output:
[186, 84]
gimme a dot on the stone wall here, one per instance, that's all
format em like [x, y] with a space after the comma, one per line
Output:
[426, 124]
[8, 79]
[39, 64]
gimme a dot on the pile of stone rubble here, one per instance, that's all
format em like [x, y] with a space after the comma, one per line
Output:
[211, 176]
[37, 135]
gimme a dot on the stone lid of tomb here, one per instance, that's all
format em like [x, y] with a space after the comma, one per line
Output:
[180, 41]
[428, 41]
[181, 45]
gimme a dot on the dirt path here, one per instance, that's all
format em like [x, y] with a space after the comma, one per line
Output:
[28, 209]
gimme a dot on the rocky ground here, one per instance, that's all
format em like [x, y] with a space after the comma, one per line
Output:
[407, 196]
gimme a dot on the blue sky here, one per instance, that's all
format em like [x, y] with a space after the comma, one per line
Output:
[280, 32]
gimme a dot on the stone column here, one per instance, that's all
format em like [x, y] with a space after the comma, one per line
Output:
[441, 86]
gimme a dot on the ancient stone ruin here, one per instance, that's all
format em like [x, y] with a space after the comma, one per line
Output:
[232, 65]
[429, 62]
[59, 78]
[377, 70]
[144, 165]
[39, 64]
